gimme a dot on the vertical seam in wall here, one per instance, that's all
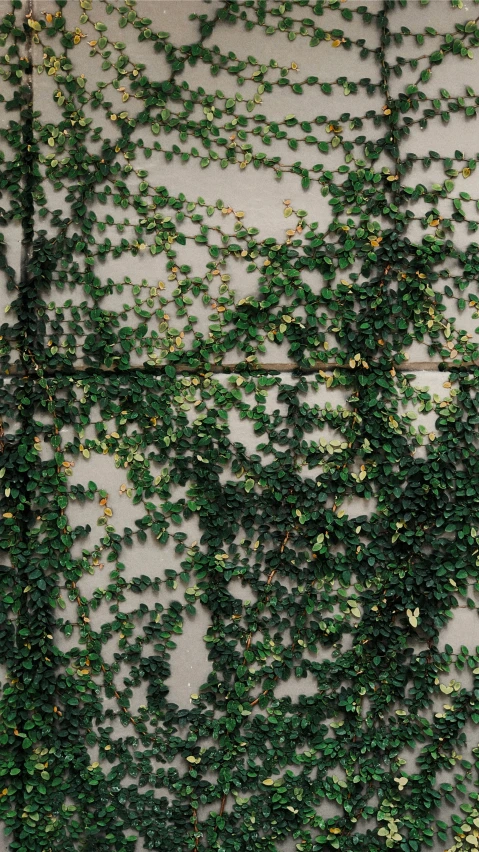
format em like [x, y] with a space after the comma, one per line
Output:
[26, 336]
[27, 320]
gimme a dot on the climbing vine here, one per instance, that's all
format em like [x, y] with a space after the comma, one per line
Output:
[221, 466]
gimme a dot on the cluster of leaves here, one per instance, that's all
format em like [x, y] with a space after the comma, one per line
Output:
[319, 525]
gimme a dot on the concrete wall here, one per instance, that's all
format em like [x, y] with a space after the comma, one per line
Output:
[258, 199]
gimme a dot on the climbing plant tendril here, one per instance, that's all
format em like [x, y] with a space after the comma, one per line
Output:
[216, 438]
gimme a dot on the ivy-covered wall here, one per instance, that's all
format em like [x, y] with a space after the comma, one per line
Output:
[239, 349]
